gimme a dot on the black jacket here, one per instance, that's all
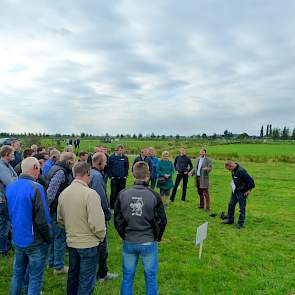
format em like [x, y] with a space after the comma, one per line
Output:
[145, 159]
[183, 164]
[243, 181]
[139, 215]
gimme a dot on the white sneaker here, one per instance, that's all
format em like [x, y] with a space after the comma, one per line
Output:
[109, 276]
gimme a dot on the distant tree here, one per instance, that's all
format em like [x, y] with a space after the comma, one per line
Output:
[163, 136]
[285, 133]
[214, 136]
[270, 131]
[82, 134]
[267, 130]
[134, 136]
[177, 136]
[153, 135]
[122, 136]
[293, 134]
[276, 133]
[204, 135]
[243, 136]
[261, 131]
[140, 135]
[227, 134]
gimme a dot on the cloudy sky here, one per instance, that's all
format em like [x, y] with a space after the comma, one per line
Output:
[162, 66]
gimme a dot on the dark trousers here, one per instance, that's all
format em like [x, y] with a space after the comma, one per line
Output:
[179, 177]
[117, 184]
[153, 183]
[4, 227]
[102, 259]
[204, 195]
[82, 271]
[237, 197]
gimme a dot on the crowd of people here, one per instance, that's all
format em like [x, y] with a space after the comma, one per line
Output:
[53, 202]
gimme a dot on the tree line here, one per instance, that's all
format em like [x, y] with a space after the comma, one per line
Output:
[277, 133]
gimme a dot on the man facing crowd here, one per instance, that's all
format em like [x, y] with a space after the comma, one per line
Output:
[140, 220]
[202, 169]
[16, 145]
[80, 212]
[242, 184]
[144, 156]
[30, 221]
[7, 175]
[118, 167]
[154, 170]
[182, 165]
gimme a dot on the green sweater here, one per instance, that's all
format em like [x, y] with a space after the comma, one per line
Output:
[165, 167]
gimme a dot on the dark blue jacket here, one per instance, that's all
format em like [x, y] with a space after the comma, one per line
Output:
[28, 212]
[118, 166]
[17, 159]
[243, 181]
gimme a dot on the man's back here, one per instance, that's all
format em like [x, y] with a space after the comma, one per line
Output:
[137, 206]
[79, 210]
[28, 212]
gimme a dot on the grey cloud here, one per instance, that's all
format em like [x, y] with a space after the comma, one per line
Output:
[164, 67]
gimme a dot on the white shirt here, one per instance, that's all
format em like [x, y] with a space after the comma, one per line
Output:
[201, 160]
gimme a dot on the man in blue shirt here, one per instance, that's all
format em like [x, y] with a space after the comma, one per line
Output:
[30, 221]
[54, 157]
[118, 166]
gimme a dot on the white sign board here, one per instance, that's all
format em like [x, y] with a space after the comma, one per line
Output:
[201, 236]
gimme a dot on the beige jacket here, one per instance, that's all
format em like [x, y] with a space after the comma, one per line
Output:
[79, 211]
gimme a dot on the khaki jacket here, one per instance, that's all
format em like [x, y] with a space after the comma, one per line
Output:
[79, 211]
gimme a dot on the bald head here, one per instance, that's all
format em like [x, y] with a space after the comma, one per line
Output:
[31, 167]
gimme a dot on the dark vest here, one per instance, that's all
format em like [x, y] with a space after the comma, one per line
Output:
[68, 179]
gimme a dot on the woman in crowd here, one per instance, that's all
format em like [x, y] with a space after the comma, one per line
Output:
[165, 181]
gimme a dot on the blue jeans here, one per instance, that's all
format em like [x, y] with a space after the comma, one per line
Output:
[33, 258]
[4, 228]
[149, 255]
[240, 198]
[82, 271]
[57, 247]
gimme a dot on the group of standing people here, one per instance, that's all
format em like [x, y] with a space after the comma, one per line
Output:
[56, 202]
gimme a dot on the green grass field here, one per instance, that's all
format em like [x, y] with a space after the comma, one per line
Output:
[258, 259]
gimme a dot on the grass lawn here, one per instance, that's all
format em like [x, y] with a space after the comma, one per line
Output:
[258, 259]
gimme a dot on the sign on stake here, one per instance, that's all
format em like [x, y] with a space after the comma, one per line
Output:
[201, 236]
